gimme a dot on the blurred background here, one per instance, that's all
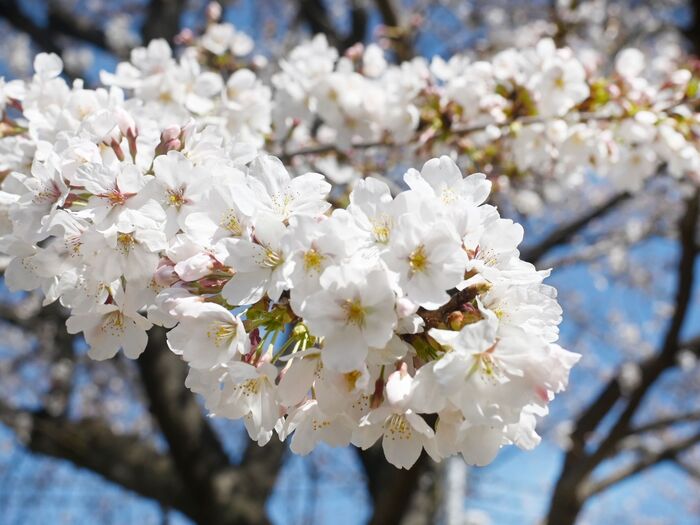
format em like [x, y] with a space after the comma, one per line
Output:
[89, 442]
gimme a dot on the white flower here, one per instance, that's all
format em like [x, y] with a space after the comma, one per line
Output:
[353, 311]
[629, 63]
[223, 38]
[404, 433]
[258, 264]
[249, 392]
[561, 86]
[109, 327]
[209, 336]
[283, 196]
[428, 257]
[311, 426]
[442, 179]
[178, 186]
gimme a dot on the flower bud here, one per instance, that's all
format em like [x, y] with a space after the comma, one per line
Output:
[125, 122]
[169, 140]
[213, 12]
[184, 37]
[455, 320]
[165, 275]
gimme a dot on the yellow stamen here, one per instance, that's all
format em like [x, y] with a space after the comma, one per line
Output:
[418, 260]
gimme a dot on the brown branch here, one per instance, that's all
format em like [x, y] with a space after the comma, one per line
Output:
[224, 493]
[10, 11]
[399, 35]
[649, 459]
[664, 422]
[89, 443]
[653, 367]
[666, 357]
[316, 16]
[162, 19]
[566, 500]
[460, 130]
[564, 233]
[692, 470]
[75, 26]
[459, 298]
[390, 489]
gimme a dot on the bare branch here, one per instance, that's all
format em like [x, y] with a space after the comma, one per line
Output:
[389, 487]
[692, 470]
[162, 19]
[665, 422]
[564, 233]
[567, 498]
[89, 443]
[75, 27]
[316, 16]
[10, 11]
[666, 357]
[648, 459]
[223, 492]
[400, 35]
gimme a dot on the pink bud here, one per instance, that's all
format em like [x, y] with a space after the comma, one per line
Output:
[169, 140]
[125, 122]
[165, 275]
[213, 11]
[355, 52]
[117, 149]
[170, 133]
[184, 37]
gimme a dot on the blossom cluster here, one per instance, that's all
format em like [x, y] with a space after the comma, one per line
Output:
[542, 110]
[624, 126]
[406, 318]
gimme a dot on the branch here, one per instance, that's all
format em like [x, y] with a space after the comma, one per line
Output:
[223, 492]
[400, 36]
[196, 450]
[653, 367]
[564, 233]
[390, 489]
[162, 20]
[75, 27]
[459, 130]
[316, 16]
[670, 348]
[649, 459]
[691, 470]
[567, 498]
[10, 11]
[665, 422]
[89, 443]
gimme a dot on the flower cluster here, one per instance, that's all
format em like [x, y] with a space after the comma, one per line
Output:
[539, 110]
[408, 318]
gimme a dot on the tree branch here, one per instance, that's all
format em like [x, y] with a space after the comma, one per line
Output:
[400, 36]
[316, 16]
[390, 488]
[10, 11]
[649, 459]
[89, 443]
[564, 233]
[162, 20]
[567, 498]
[664, 423]
[75, 27]
[224, 493]
[666, 357]
[691, 470]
